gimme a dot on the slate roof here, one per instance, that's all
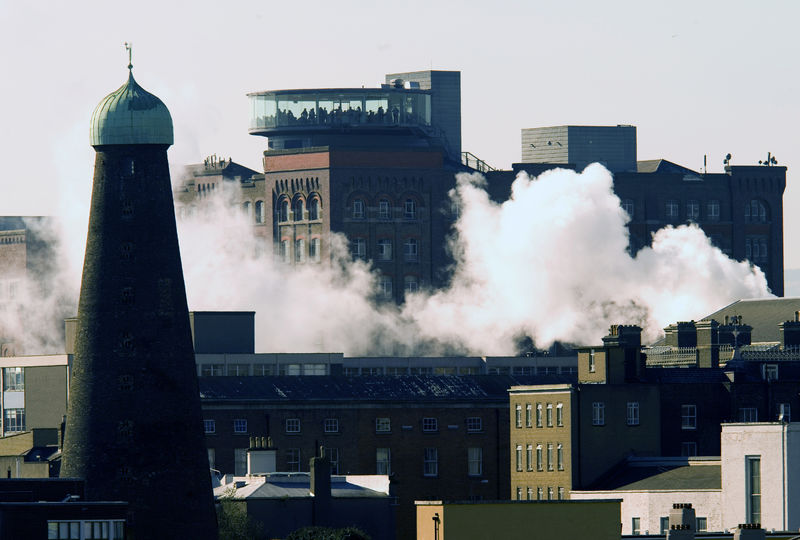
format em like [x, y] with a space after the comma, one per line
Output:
[763, 315]
[662, 166]
[662, 477]
[487, 388]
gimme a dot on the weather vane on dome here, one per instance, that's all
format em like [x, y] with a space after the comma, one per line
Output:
[129, 48]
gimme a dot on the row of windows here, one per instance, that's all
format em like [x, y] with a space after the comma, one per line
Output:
[385, 210]
[631, 413]
[756, 247]
[755, 211]
[386, 287]
[314, 253]
[383, 461]
[559, 416]
[13, 420]
[71, 530]
[385, 251]
[218, 370]
[239, 425]
[314, 209]
[528, 493]
[539, 463]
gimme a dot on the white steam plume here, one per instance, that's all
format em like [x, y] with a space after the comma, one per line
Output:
[551, 263]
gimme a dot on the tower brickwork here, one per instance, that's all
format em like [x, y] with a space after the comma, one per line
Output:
[134, 427]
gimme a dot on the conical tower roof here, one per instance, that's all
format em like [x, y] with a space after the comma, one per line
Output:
[131, 115]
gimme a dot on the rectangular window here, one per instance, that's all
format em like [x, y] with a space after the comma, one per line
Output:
[539, 462]
[672, 210]
[784, 412]
[210, 426]
[13, 379]
[598, 413]
[384, 249]
[293, 460]
[549, 456]
[753, 488]
[411, 249]
[702, 524]
[292, 425]
[713, 210]
[385, 287]
[474, 424]
[519, 457]
[331, 425]
[549, 415]
[333, 456]
[770, 372]
[430, 424]
[529, 456]
[519, 493]
[748, 414]
[211, 370]
[212, 457]
[550, 494]
[238, 369]
[239, 461]
[530, 493]
[539, 494]
[240, 425]
[688, 449]
[538, 415]
[518, 417]
[560, 414]
[358, 248]
[693, 210]
[14, 420]
[474, 461]
[688, 417]
[382, 425]
[561, 494]
[591, 361]
[560, 457]
[314, 250]
[383, 461]
[528, 415]
[299, 250]
[664, 524]
[633, 413]
[636, 526]
[262, 370]
[431, 462]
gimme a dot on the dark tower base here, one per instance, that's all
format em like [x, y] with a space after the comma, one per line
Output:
[134, 429]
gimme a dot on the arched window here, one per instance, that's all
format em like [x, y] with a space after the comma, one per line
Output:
[297, 209]
[315, 250]
[284, 251]
[755, 212]
[299, 250]
[260, 212]
[358, 209]
[384, 209]
[410, 209]
[313, 209]
[283, 210]
[246, 208]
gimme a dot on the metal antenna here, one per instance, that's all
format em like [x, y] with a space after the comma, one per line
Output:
[129, 48]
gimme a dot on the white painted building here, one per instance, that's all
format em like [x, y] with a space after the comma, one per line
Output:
[761, 474]
[756, 480]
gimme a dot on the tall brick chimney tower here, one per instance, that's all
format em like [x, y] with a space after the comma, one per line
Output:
[134, 426]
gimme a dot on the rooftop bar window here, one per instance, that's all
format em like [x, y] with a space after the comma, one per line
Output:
[342, 107]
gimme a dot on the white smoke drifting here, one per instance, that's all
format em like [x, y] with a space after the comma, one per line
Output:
[550, 263]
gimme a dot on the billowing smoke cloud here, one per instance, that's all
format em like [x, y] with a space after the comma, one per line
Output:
[37, 289]
[550, 263]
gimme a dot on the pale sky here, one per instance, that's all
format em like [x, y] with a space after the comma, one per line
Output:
[694, 77]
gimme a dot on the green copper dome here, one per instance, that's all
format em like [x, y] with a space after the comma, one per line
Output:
[130, 115]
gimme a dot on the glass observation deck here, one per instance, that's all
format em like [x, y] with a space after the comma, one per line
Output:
[279, 111]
